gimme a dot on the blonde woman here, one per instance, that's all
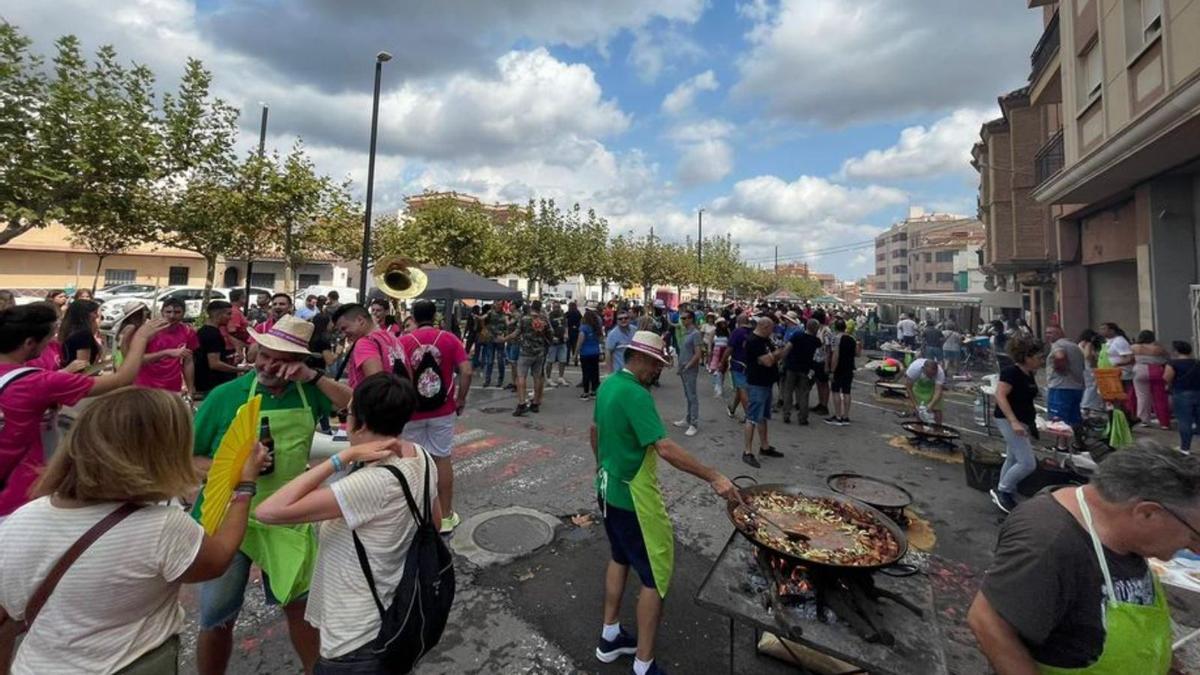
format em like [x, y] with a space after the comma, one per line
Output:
[117, 605]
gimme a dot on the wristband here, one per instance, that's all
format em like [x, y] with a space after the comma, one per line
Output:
[247, 485]
[316, 378]
[337, 463]
[240, 496]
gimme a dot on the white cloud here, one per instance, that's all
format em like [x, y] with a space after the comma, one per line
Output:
[835, 63]
[921, 152]
[653, 51]
[771, 200]
[684, 94]
[705, 162]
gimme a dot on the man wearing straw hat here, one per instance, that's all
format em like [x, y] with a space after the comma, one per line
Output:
[294, 397]
[627, 438]
[1070, 589]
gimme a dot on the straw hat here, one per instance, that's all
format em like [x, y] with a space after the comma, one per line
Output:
[128, 310]
[793, 317]
[648, 342]
[289, 334]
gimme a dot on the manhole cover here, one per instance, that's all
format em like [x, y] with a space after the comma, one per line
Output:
[512, 534]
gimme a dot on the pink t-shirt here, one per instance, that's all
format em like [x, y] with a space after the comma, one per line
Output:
[50, 358]
[378, 344]
[25, 402]
[167, 374]
[449, 353]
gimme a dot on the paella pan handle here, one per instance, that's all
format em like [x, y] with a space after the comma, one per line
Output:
[900, 570]
[735, 480]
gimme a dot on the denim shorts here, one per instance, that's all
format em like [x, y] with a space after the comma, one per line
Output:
[760, 404]
[221, 598]
[512, 351]
[556, 354]
[739, 379]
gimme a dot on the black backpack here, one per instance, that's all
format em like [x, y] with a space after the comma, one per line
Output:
[427, 378]
[413, 622]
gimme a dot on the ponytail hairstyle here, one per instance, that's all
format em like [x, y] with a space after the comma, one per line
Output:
[26, 322]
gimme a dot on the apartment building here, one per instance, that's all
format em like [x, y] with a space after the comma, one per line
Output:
[1121, 175]
[892, 262]
[940, 257]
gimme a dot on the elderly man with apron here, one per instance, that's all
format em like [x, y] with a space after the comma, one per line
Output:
[1070, 589]
[294, 397]
[628, 438]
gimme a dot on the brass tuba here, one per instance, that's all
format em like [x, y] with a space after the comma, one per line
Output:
[400, 278]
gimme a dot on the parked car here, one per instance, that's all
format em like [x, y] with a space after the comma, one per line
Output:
[191, 295]
[345, 294]
[115, 291]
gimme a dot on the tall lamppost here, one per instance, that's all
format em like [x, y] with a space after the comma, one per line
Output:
[380, 59]
[262, 142]
[700, 250]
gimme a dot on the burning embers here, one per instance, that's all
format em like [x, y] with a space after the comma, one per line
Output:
[815, 591]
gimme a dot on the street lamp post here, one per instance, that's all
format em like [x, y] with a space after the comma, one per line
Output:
[380, 59]
[262, 142]
[700, 250]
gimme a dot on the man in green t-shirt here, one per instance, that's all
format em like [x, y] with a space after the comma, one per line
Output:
[294, 397]
[627, 438]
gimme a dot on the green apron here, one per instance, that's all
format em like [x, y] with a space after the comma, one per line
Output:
[652, 517]
[286, 553]
[1137, 638]
[923, 390]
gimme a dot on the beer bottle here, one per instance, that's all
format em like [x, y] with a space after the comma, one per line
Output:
[264, 437]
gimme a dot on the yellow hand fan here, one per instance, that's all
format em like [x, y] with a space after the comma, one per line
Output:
[226, 469]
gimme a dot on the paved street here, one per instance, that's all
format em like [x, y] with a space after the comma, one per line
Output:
[541, 613]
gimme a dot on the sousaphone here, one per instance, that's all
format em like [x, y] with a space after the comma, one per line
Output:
[400, 278]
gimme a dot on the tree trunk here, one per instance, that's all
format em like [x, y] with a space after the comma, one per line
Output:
[603, 292]
[289, 270]
[210, 274]
[14, 229]
[96, 276]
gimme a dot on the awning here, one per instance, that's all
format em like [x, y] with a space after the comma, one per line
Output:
[996, 299]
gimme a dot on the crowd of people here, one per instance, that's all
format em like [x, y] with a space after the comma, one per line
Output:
[165, 393]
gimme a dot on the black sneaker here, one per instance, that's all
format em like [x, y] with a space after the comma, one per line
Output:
[1003, 501]
[520, 411]
[534, 407]
[819, 410]
[770, 451]
[751, 460]
[802, 423]
[730, 411]
[583, 396]
[787, 420]
[611, 650]
[833, 421]
[843, 421]
[510, 387]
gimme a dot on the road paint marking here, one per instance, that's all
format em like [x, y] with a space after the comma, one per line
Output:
[890, 410]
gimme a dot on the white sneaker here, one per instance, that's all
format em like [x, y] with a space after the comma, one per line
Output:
[562, 382]
[680, 423]
[691, 431]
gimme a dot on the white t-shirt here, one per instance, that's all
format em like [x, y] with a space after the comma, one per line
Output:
[118, 601]
[906, 328]
[373, 504]
[1119, 347]
[916, 372]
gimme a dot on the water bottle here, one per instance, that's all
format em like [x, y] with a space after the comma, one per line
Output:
[980, 409]
[264, 437]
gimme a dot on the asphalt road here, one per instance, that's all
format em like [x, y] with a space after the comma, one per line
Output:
[541, 613]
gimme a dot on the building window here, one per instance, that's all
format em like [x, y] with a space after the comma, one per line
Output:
[231, 277]
[512, 283]
[929, 276]
[306, 280]
[1091, 74]
[112, 277]
[904, 285]
[900, 269]
[1151, 15]
[944, 256]
[945, 277]
[177, 276]
[262, 279]
[928, 257]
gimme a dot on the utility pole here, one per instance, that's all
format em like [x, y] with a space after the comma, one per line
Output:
[700, 249]
[776, 261]
[380, 59]
[262, 142]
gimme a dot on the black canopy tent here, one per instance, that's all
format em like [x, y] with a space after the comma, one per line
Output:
[450, 284]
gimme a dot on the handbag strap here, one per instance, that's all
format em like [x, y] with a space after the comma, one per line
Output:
[42, 594]
[417, 518]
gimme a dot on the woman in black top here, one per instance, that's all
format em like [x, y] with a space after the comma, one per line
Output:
[323, 358]
[1183, 380]
[78, 330]
[1015, 416]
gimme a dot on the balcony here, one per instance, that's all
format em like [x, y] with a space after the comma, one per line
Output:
[1049, 159]
[1045, 50]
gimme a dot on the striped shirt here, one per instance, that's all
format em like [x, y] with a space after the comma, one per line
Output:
[373, 505]
[118, 601]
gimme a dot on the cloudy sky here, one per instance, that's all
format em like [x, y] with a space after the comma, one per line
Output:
[804, 124]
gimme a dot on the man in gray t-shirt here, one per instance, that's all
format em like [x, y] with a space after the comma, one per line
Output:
[1064, 379]
[688, 364]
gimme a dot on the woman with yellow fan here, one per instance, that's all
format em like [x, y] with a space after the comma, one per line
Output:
[116, 606]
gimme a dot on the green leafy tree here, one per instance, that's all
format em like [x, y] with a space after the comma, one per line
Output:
[445, 231]
[542, 243]
[113, 161]
[300, 198]
[40, 124]
[198, 204]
